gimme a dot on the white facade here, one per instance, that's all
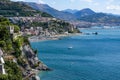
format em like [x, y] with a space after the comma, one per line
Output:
[1, 53]
[2, 62]
[11, 29]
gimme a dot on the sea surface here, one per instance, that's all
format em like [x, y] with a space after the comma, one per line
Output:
[82, 57]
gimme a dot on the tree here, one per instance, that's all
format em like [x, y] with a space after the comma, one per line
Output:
[16, 29]
[13, 71]
[3, 77]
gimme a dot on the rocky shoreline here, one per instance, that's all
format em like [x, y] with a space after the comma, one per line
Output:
[42, 66]
[34, 64]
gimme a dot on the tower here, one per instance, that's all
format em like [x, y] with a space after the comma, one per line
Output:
[11, 28]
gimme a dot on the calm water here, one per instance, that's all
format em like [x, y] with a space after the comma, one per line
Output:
[93, 57]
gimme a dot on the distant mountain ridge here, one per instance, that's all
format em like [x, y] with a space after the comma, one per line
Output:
[52, 11]
[70, 10]
[80, 13]
[86, 14]
[101, 18]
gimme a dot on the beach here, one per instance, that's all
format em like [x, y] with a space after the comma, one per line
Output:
[45, 38]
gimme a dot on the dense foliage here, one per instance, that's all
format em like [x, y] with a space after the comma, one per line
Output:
[5, 39]
[14, 72]
[10, 46]
[9, 9]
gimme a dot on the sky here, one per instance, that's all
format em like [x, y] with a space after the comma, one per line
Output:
[106, 6]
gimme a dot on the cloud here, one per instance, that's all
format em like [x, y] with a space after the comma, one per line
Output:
[53, 2]
[41, 1]
[108, 2]
[89, 1]
[96, 4]
[111, 0]
[17, 0]
[72, 0]
[113, 7]
[81, 0]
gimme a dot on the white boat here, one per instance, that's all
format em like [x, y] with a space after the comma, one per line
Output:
[70, 47]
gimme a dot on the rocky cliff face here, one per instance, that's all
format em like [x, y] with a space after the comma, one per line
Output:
[33, 60]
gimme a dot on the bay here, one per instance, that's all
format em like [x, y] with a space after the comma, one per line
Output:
[92, 57]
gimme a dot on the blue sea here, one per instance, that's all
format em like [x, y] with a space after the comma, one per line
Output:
[91, 57]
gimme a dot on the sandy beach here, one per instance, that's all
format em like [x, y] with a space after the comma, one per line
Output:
[45, 38]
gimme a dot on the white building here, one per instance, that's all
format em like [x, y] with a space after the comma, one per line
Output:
[2, 62]
[11, 29]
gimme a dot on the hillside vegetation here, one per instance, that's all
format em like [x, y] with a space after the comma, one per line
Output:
[101, 17]
[10, 9]
[10, 47]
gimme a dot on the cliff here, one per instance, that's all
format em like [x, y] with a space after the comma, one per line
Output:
[20, 60]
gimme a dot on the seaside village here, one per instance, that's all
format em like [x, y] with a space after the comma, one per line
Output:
[38, 32]
[32, 63]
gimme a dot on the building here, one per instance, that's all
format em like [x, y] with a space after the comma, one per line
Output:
[2, 62]
[1, 53]
[11, 29]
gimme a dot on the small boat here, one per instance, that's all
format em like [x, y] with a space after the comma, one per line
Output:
[70, 47]
[95, 33]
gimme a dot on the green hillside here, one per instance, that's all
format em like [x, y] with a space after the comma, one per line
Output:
[11, 9]
[9, 46]
[101, 17]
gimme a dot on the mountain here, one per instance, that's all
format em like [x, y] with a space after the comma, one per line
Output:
[84, 12]
[52, 11]
[89, 15]
[23, 15]
[70, 10]
[101, 18]
[18, 59]
[10, 9]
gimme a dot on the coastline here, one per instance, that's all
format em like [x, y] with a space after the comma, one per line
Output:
[35, 64]
[46, 38]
